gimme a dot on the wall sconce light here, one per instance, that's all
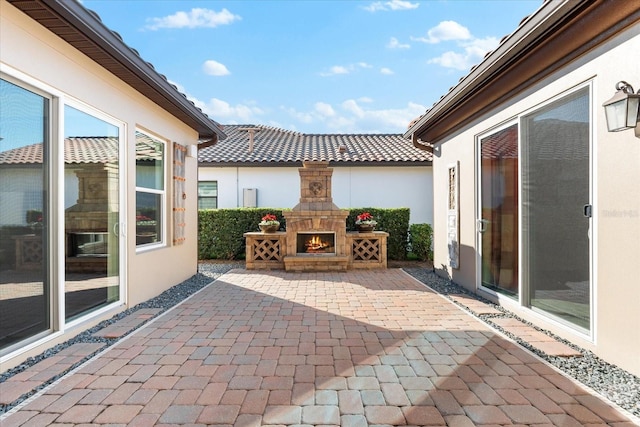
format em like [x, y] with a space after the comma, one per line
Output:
[622, 110]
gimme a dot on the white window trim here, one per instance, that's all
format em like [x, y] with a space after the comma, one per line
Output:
[163, 193]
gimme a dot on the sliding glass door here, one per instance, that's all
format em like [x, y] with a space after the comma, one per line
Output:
[498, 221]
[92, 208]
[25, 288]
[534, 210]
[557, 209]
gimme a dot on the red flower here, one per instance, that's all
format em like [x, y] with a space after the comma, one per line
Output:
[365, 216]
[269, 217]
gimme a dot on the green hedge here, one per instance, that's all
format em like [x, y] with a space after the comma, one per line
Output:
[394, 221]
[220, 231]
[420, 241]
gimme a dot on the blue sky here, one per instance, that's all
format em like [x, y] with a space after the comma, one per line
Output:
[314, 66]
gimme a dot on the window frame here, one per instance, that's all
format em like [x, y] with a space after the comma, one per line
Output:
[208, 197]
[162, 208]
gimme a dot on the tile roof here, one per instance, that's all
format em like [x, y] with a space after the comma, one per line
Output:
[279, 146]
[76, 150]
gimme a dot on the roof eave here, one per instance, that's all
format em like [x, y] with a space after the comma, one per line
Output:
[523, 49]
[103, 41]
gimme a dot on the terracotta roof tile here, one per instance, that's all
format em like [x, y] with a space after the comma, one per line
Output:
[76, 150]
[275, 145]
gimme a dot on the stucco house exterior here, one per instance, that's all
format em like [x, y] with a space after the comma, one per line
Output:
[257, 166]
[536, 203]
[98, 176]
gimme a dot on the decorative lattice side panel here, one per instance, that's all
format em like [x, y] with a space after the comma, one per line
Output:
[366, 249]
[266, 250]
[179, 193]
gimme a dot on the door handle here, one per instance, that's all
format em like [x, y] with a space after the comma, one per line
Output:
[587, 211]
[482, 225]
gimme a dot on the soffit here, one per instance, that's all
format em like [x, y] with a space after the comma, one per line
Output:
[84, 30]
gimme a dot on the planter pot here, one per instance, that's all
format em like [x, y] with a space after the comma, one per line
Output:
[269, 228]
[365, 228]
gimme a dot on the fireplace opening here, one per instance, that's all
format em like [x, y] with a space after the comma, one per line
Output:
[314, 243]
[88, 244]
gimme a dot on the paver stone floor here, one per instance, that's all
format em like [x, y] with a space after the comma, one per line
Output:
[351, 348]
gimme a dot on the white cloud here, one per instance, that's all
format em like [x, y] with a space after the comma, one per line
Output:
[390, 5]
[446, 30]
[386, 71]
[335, 70]
[351, 116]
[470, 50]
[224, 112]
[195, 18]
[395, 44]
[214, 68]
[344, 69]
[473, 53]
[324, 109]
[351, 106]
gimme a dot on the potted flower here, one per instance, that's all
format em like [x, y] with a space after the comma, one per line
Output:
[146, 229]
[269, 224]
[365, 222]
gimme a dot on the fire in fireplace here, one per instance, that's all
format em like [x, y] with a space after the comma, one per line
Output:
[316, 243]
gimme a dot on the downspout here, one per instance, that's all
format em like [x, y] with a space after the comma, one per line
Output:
[421, 145]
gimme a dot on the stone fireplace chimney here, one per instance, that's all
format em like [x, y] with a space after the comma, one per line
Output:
[316, 218]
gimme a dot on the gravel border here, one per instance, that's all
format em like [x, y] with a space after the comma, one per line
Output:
[614, 383]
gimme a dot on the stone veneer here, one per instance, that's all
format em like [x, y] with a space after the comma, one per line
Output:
[316, 212]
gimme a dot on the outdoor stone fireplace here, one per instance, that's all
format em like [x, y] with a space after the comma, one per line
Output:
[316, 237]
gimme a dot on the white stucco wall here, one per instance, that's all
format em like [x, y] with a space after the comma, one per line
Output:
[616, 199]
[352, 187]
[69, 75]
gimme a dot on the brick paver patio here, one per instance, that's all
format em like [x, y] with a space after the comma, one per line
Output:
[351, 349]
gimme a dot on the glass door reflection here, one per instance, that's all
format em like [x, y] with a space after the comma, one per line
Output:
[91, 213]
[499, 211]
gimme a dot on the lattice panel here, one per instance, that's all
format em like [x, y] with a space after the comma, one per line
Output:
[366, 249]
[266, 250]
[31, 252]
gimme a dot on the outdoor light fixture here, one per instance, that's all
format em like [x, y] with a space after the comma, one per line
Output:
[622, 110]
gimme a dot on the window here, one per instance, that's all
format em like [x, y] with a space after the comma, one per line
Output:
[150, 189]
[208, 195]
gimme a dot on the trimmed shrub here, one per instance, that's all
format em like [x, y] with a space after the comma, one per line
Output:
[394, 221]
[420, 241]
[220, 231]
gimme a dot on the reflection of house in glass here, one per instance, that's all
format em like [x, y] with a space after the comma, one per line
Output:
[91, 174]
